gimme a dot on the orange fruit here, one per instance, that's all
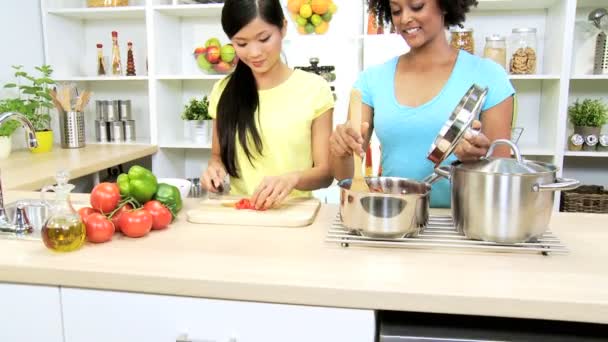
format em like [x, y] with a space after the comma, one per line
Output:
[302, 30]
[294, 5]
[322, 28]
[320, 6]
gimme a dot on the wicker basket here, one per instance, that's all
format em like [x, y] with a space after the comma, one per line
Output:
[107, 3]
[585, 199]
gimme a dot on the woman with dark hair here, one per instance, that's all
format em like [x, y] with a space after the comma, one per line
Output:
[271, 123]
[408, 98]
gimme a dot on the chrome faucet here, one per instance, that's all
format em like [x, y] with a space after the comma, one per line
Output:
[5, 224]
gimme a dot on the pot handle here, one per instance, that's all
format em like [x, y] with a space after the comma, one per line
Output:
[513, 147]
[562, 184]
[440, 172]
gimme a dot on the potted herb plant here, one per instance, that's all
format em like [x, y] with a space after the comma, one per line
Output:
[7, 129]
[34, 101]
[199, 124]
[588, 116]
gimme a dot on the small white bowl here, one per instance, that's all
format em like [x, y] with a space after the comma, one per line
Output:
[182, 184]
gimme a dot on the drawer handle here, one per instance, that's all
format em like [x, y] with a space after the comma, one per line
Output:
[185, 338]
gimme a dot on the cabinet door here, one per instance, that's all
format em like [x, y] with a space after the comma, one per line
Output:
[30, 313]
[116, 316]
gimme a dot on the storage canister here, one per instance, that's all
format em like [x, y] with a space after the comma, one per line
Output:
[603, 143]
[496, 49]
[101, 131]
[101, 110]
[113, 111]
[117, 132]
[125, 110]
[129, 130]
[462, 38]
[523, 56]
[71, 129]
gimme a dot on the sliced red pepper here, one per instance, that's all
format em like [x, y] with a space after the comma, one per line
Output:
[245, 203]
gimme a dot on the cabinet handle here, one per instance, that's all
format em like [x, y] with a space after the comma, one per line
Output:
[185, 338]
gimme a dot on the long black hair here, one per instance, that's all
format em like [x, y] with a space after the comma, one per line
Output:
[455, 10]
[239, 100]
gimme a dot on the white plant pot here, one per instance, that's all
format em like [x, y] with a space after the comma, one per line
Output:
[5, 147]
[201, 131]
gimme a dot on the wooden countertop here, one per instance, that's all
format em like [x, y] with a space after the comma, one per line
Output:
[295, 265]
[24, 170]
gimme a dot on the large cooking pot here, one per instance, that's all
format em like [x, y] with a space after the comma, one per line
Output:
[503, 200]
[393, 208]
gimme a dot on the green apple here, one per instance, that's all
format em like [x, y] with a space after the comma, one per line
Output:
[301, 21]
[316, 19]
[203, 63]
[227, 53]
[326, 16]
[213, 42]
[310, 28]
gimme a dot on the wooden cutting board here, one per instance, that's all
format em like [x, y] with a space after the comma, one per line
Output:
[295, 212]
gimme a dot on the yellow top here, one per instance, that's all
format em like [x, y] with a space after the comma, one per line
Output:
[284, 121]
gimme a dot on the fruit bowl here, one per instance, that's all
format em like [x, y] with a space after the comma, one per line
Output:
[311, 16]
[214, 58]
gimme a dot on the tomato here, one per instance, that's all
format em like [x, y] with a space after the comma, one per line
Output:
[99, 228]
[116, 217]
[105, 197]
[161, 216]
[136, 223]
[84, 212]
[245, 203]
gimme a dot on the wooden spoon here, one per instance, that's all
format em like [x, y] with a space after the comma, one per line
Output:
[358, 183]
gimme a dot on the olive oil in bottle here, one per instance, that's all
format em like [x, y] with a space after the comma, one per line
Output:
[64, 230]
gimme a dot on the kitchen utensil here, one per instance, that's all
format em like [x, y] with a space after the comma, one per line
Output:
[358, 183]
[396, 207]
[503, 200]
[295, 212]
[599, 17]
[459, 122]
[56, 102]
[71, 129]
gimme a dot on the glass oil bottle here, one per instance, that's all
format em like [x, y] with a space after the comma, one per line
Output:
[63, 231]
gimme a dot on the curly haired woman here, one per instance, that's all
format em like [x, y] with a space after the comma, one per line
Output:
[408, 98]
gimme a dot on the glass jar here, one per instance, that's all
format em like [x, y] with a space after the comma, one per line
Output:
[523, 56]
[496, 49]
[462, 38]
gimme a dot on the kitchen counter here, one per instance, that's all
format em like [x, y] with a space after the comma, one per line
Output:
[296, 266]
[24, 170]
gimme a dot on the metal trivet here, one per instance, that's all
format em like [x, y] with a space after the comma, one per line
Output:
[441, 233]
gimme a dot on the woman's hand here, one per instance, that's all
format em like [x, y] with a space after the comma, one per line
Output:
[273, 190]
[473, 146]
[345, 140]
[213, 177]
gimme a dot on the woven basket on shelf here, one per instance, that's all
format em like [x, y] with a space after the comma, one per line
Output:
[586, 199]
[107, 3]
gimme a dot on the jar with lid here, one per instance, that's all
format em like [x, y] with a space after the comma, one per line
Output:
[496, 49]
[523, 51]
[462, 38]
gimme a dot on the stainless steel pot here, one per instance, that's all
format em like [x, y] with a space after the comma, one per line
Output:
[503, 200]
[394, 207]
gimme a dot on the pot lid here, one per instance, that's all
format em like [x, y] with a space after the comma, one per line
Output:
[459, 122]
[514, 166]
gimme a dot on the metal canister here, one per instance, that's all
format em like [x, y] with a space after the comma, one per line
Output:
[576, 142]
[125, 110]
[117, 132]
[590, 143]
[71, 129]
[113, 111]
[129, 130]
[603, 143]
[101, 131]
[101, 110]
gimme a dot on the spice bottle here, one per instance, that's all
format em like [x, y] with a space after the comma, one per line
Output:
[462, 38]
[496, 49]
[101, 64]
[523, 51]
[116, 64]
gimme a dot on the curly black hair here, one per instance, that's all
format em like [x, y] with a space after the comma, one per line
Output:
[455, 10]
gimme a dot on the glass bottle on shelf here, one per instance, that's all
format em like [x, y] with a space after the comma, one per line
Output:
[116, 64]
[63, 231]
[101, 63]
[130, 60]
[496, 49]
[462, 38]
[523, 55]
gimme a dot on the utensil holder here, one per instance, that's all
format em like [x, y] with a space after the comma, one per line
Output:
[71, 129]
[600, 65]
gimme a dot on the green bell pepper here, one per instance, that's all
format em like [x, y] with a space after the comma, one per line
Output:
[140, 184]
[170, 197]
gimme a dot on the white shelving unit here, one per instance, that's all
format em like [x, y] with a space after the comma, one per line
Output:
[164, 35]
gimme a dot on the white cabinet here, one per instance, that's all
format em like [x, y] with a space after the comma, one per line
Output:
[30, 313]
[116, 316]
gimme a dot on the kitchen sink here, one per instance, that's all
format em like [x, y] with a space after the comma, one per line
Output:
[37, 212]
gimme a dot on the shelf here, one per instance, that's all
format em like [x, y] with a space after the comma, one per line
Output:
[126, 12]
[190, 77]
[536, 151]
[590, 3]
[589, 77]
[142, 141]
[590, 154]
[534, 77]
[185, 144]
[203, 10]
[100, 78]
[503, 5]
